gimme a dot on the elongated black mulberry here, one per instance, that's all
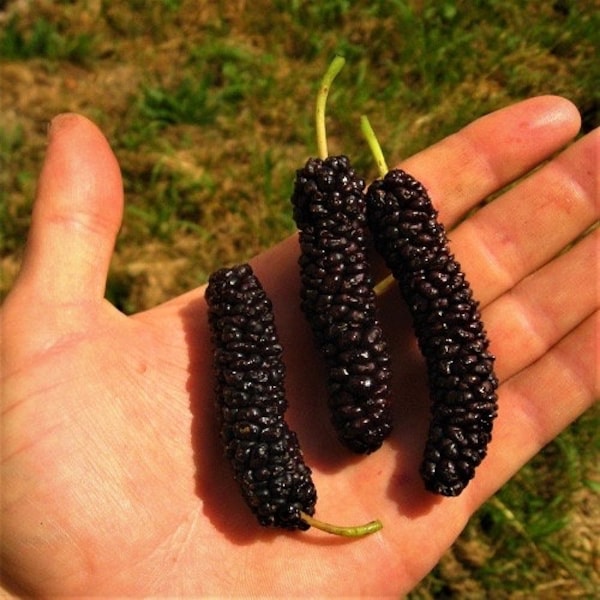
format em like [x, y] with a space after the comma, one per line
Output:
[264, 452]
[338, 300]
[448, 327]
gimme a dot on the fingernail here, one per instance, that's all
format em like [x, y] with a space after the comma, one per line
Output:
[59, 121]
[561, 111]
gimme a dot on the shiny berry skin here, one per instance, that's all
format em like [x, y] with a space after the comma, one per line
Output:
[263, 451]
[448, 327]
[338, 300]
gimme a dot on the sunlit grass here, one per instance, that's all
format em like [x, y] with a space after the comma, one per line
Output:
[209, 108]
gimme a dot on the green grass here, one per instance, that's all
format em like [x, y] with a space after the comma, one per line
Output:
[208, 107]
[43, 39]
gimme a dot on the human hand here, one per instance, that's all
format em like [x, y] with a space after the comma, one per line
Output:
[113, 481]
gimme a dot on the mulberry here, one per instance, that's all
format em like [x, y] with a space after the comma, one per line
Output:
[448, 327]
[337, 295]
[338, 300]
[264, 452]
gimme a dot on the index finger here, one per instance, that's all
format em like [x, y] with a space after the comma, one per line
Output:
[491, 152]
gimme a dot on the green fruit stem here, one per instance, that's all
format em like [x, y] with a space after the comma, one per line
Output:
[374, 145]
[384, 285]
[346, 531]
[367, 130]
[334, 68]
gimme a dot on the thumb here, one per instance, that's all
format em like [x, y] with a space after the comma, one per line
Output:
[76, 216]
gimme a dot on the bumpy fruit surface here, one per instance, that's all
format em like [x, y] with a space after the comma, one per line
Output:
[448, 327]
[338, 300]
[264, 452]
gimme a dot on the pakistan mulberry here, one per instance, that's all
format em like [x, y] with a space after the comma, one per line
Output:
[264, 452]
[448, 327]
[338, 300]
[337, 295]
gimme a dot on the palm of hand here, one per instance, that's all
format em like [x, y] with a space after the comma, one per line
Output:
[125, 479]
[125, 482]
[112, 471]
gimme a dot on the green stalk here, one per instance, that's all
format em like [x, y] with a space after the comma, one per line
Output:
[369, 134]
[334, 68]
[346, 531]
[384, 285]
[374, 145]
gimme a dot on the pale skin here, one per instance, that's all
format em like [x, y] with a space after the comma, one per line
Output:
[113, 482]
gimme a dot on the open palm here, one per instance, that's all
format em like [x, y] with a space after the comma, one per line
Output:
[113, 481]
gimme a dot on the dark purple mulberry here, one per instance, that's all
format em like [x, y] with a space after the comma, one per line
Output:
[338, 300]
[265, 454]
[448, 327]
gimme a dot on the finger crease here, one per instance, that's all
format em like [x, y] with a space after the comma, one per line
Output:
[499, 269]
